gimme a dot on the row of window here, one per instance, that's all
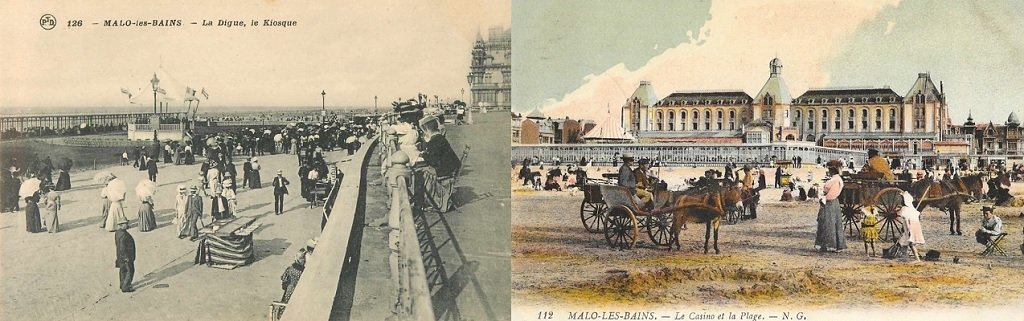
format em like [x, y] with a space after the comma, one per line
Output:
[660, 124]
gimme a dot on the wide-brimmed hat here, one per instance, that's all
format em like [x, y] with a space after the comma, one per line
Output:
[644, 161]
[279, 172]
[181, 188]
[987, 209]
[626, 155]
[311, 243]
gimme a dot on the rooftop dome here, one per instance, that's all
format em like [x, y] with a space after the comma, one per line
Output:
[1013, 119]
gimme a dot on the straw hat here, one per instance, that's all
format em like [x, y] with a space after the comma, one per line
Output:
[627, 156]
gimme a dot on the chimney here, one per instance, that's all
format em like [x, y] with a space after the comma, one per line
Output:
[941, 90]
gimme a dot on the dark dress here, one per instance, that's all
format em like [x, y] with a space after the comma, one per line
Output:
[33, 223]
[438, 154]
[147, 219]
[254, 182]
[63, 181]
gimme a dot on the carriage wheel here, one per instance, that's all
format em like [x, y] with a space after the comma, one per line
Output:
[658, 228]
[733, 213]
[851, 217]
[620, 228]
[593, 216]
[889, 201]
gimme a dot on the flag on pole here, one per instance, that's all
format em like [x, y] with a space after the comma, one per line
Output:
[190, 94]
[205, 95]
[161, 91]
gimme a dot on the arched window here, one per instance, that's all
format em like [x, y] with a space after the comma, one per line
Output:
[671, 120]
[768, 100]
[892, 119]
[707, 119]
[864, 119]
[719, 119]
[878, 118]
[810, 119]
[849, 119]
[838, 120]
[732, 120]
[658, 120]
[824, 119]
[796, 122]
[696, 116]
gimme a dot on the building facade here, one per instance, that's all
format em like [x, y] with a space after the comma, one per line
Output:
[855, 118]
[490, 72]
[991, 141]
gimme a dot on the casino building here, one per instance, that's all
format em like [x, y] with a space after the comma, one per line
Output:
[853, 118]
[490, 72]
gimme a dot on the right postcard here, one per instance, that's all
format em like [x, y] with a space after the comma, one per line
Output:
[767, 160]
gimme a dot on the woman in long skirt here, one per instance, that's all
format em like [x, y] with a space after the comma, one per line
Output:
[180, 202]
[830, 223]
[116, 194]
[52, 206]
[254, 182]
[63, 181]
[106, 208]
[33, 224]
[147, 219]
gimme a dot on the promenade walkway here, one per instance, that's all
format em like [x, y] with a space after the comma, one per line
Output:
[71, 276]
[466, 251]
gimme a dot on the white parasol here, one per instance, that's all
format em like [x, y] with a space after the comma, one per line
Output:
[29, 187]
[145, 189]
[101, 177]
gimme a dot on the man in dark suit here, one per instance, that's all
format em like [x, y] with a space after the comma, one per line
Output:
[125, 256]
[151, 167]
[280, 189]
[247, 171]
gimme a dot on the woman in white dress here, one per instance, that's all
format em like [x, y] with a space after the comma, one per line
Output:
[912, 236]
[115, 192]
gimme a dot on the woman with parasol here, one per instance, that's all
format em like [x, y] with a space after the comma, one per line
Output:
[147, 219]
[115, 192]
[29, 191]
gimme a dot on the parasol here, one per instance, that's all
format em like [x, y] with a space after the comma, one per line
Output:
[101, 177]
[278, 138]
[29, 187]
[83, 126]
[65, 164]
[145, 189]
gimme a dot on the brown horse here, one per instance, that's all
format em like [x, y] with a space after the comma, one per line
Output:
[947, 195]
[974, 185]
[706, 206]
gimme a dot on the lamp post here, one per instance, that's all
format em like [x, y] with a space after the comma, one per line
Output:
[323, 107]
[156, 139]
[375, 104]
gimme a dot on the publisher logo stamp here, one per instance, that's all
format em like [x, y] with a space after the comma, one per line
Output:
[48, 21]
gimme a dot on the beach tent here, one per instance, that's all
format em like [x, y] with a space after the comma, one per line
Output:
[608, 130]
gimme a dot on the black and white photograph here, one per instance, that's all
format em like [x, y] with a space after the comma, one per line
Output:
[255, 160]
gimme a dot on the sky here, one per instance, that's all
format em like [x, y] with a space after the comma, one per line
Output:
[352, 50]
[575, 60]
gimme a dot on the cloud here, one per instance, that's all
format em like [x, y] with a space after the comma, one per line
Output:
[732, 51]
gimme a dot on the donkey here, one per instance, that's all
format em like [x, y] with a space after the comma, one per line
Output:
[946, 195]
[703, 206]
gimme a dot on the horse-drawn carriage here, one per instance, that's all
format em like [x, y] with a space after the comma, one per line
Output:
[613, 210]
[885, 196]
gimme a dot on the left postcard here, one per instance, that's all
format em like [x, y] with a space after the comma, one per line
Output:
[249, 160]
